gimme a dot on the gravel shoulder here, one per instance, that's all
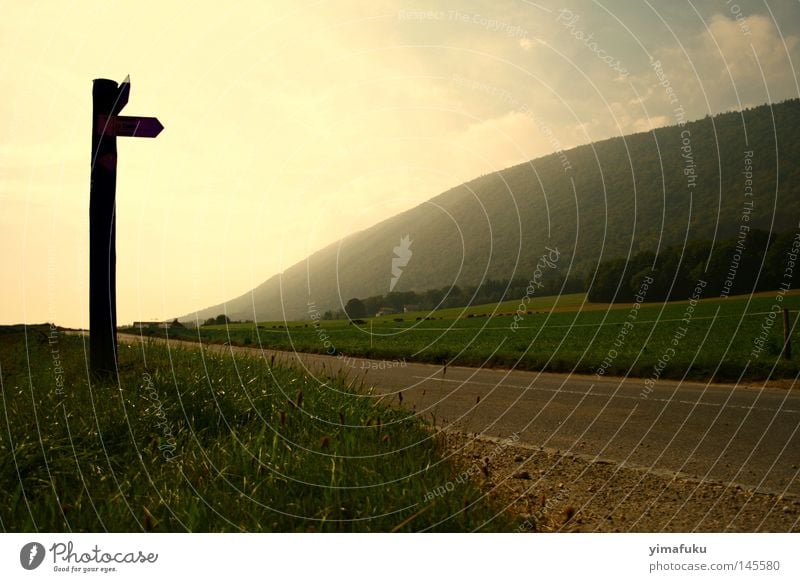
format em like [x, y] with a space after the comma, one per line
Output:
[556, 492]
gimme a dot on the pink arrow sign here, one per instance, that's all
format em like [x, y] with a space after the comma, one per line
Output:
[122, 126]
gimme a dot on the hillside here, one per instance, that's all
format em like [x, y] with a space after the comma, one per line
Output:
[618, 197]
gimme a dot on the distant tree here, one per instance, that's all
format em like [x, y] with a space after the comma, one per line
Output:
[355, 308]
[608, 282]
[222, 319]
[455, 297]
[775, 263]
[433, 297]
[736, 266]
[373, 304]
[327, 315]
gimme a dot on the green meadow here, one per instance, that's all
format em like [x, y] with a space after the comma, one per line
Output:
[716, 338]
[189, 440]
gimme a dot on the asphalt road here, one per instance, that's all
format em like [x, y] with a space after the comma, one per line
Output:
[735, 434]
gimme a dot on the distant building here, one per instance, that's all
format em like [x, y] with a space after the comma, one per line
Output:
[385, 311]
[410, 308]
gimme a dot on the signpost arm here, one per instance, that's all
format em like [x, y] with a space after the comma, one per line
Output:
[102, 231]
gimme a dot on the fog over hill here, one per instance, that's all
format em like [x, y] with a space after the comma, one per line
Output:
[604, 200]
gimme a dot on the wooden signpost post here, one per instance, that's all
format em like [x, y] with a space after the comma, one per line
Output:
[108, 100]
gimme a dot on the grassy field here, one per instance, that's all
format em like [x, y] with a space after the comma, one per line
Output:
[193, 441]
[713, 339]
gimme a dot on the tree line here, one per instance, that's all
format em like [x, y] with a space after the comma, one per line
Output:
[489, 291]
[753, 261]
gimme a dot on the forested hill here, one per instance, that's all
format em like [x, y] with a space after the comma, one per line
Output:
[604, 200]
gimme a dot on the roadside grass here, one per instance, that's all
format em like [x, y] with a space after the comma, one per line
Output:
[190, 440]
[556, 335]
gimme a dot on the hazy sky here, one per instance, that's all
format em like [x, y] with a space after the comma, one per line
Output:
[291, 124]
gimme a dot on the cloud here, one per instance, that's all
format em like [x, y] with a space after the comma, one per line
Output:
[509, 139]
[621, 119]
[731, 64]
[747, 54]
